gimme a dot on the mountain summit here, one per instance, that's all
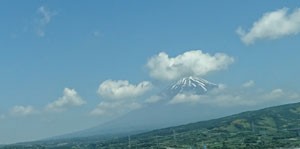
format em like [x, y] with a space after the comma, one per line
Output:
[191, 85]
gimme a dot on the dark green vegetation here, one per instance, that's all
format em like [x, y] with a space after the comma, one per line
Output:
[273, 127]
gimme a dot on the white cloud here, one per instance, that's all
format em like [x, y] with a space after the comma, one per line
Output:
[153, 99]
[190, 63]
[22, 110]
[119, 97]
[114, 108]
[293, 96]
[70, 98]
[248, 84]
[280, 94]
[224, 97]
[221, 100]
[122, 89]
[45, 18]
[276, 93]
[272, 25]
[187, 98]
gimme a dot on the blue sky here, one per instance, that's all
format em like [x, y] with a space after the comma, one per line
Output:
[55, 55]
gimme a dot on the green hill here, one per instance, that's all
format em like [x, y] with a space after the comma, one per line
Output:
[267, 128]
[272, 127]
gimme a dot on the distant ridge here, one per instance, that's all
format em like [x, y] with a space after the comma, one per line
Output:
[277, 126]
[273, 127]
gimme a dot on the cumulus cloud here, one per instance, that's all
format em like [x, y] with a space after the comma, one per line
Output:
[45, 17]
[220, 96]
[153, 99]
[280, 94]
[293, 96]
[248, 84]
[187, 98]
[276, 93]
[22, 110]
[222, 100]
[114, 108]
[119, 97]
[272, 25]
[122, 89]
[70, 98]
[190, 63]
[235, 97]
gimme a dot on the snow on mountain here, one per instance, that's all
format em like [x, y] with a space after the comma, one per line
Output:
[192, 85]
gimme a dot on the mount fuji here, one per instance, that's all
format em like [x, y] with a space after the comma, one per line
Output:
[160, 114]
[189, 85]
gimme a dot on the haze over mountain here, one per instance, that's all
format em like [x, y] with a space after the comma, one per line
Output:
[272, 127]
[122, 67]
[160, 115]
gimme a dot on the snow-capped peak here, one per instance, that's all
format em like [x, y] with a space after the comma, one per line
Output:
[192, 82]
[192, 85]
